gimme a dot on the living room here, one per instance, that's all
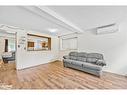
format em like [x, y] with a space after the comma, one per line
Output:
[46, 34]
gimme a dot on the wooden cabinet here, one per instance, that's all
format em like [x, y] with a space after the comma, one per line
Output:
[30, 44]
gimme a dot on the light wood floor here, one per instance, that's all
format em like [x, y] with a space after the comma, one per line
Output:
[1, 62]
[55, 76]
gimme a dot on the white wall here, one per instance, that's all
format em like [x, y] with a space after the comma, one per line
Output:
[2, 44]
[113, 46]
[63, 52]
[27, 59]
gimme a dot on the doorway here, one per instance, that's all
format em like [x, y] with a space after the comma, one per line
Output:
[7, 50]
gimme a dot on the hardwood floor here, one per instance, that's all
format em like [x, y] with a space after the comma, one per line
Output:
[7, 67]
[1, 62]
[55, 76]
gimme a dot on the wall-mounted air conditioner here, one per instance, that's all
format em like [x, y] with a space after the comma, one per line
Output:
[111, 28]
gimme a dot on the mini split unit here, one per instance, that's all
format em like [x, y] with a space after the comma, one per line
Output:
[111, 28]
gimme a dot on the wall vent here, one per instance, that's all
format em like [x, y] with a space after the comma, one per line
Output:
[111, 28]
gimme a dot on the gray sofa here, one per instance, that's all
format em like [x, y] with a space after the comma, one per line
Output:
[9, 56]
[88, 62]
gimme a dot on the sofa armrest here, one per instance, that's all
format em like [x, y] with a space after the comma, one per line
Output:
[101, 62]
[66, 57]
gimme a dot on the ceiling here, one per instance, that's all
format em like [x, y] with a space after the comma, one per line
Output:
[87, 17]
[26, 19]
[63, 19]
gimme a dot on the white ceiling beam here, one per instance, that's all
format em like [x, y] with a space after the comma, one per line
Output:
[46, 16]
[45, 12]
[60, 18]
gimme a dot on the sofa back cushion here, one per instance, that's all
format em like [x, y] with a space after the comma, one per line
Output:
[91, 60]
[85, 57]
[73, 54]
[73, 57]
[95, 55]
[82, 54]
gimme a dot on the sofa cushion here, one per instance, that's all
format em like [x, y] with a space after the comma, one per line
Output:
[91, 66]
[77, 63]
[72, 62]
[73, 58]
[83, 59]
[82, 54]
[73, 54]
[95, 55]
[101, 62]
[91, 60]
[7, 54]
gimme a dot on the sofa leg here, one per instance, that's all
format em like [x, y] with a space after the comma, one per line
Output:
[5, 61]
[99, 76]
[64, 65]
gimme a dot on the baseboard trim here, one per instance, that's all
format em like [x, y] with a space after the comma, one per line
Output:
[37, 65]
[115, 73]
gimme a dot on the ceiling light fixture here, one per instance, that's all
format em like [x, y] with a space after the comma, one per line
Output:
[53, 30]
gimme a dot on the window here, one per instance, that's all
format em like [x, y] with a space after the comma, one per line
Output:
[69, 43]
[11, 45]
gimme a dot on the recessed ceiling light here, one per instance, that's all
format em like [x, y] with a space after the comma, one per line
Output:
[53, 30]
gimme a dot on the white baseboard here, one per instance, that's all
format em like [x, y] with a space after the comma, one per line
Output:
[115, 73]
